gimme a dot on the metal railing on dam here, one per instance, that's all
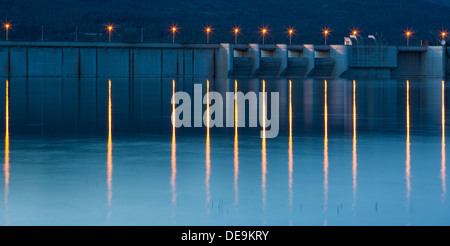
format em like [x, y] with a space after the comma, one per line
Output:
[78, 59]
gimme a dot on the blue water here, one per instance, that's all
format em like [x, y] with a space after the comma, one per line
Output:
[365, 153]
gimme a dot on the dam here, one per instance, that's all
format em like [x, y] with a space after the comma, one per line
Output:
[358, 57]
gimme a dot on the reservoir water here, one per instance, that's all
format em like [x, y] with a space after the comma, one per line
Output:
[102, 151]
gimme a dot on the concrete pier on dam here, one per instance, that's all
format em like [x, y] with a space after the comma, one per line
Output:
[355, 59]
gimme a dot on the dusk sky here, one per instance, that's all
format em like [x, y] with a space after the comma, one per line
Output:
[60, 19]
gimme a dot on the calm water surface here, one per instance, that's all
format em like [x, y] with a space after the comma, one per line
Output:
[94, 152]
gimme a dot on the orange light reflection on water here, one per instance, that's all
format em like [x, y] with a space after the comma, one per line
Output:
[354, 153]
[208, 153]
[6, 167]
[325, 148]
[291, 156]
[263, 147]
[174, 150]
[236, 148]
[109, 154]
[443, 166]
[408, 146]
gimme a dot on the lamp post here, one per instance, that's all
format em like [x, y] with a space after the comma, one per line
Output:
[326, 31]
[236, 32]
[443, 35]
[291, 32]
[110, 29]
[7, 26]
[174, 30]
[264, 31]
[408, 34]
[208, 31]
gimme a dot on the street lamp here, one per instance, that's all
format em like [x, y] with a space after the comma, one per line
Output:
[236, 32]
[264, 31]
[326, 31]
[443, 35]
[408, 34]
[7, 25]
[208, 31]
[174, 30]
[110, 29]
[355, 31]
[291, 32]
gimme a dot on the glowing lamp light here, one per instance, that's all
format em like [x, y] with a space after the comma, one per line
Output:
[408, 33]
[354, 31]
[7, 26]
[174, 30]
[110, 29]
[291, 32]
[264, 31]
[236, 31]
[326, 31]
[444, 34]
[208, 31]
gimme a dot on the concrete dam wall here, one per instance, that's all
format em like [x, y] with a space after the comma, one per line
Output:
[35, 59]
[67, 59]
